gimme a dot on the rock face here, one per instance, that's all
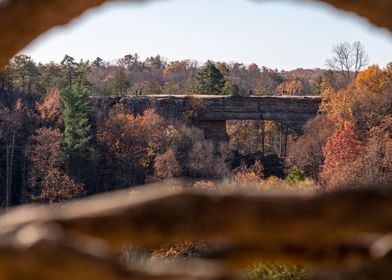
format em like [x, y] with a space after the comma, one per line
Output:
[332, 230]
[210, 113]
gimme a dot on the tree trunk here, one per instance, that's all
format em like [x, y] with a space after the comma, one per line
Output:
[10, 160]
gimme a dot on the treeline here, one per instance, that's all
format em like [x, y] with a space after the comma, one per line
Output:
[130, 76]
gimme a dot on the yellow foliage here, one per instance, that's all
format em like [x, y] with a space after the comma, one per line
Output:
[247, 176]
[339, 105]
[270, 183]
[203, 185]
[275, 184]
[372, 80]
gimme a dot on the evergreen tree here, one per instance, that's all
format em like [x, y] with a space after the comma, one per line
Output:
[120, 84]
[73, 72]
[231, 88]
[209, 80]
[69, 65]
[98, 62]
[76, 110]
[296, 175]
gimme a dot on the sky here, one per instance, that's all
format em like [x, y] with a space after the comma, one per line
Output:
[276, 34]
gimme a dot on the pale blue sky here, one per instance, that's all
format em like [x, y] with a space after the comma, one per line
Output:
[277, 34]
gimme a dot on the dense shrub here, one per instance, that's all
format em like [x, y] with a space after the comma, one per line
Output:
[246, 173]
[306, 152]
[275, 271]
[166, 165]
[295, 175]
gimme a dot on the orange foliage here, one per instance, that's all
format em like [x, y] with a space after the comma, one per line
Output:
[120, 109]
[245, 136]
[293, 87]
[339, 105]
[132, 142]
[45, 150]
[359, 152]
[49, 109]
[252, 173]
[365, 104]
[372, 80]
[132, 137]
[48, 181]
[58, 187]
[204, 185]
[166, 166]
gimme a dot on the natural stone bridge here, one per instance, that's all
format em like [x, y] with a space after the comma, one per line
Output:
[210, 113]
[352, 241]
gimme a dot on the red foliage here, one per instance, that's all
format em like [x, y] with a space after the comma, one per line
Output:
[341, 152]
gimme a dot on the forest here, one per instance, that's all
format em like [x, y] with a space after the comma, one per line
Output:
[54, 149]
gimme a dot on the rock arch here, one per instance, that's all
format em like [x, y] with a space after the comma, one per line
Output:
[211, 112]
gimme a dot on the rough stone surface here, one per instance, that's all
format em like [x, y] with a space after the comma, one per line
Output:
[211, 112]
[333, 231]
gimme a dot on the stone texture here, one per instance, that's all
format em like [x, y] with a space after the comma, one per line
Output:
[211, 112]
[333, 231]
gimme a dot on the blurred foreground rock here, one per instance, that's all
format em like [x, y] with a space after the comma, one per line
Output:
[346, 235]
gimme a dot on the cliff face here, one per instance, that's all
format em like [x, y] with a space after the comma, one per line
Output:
[210, 112]
[21, 21]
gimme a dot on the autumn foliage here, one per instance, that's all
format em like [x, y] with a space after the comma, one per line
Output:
[246, 173]
[136, 148]
[359, 150]
[306, 152]
[166, 165]
[373, 80]
[56, 144]
[341, 152]
[49, 109]
[130, 144]
[49, 183]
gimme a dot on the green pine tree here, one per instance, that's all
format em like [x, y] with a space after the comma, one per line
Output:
[231, 88]
[296, 175]
[76, 110]
[209, 80]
